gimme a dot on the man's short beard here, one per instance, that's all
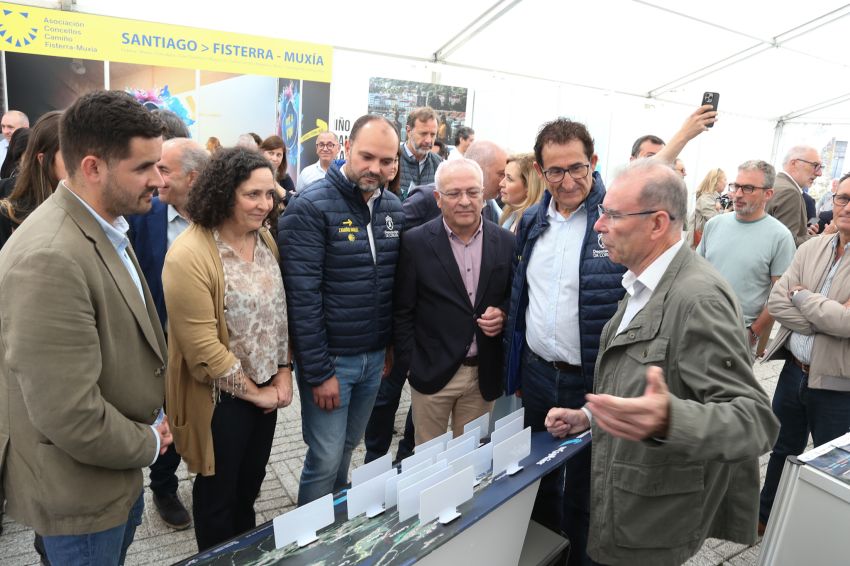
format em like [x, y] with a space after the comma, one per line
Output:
[368, 189]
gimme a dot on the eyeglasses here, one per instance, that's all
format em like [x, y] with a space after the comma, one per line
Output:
[815, 165]
[471, 194]
[614, 215]
[328, 145]
[840, 200]
[746, 189]
[556, 174]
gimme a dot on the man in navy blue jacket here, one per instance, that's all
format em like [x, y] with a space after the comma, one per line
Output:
[339, 244]
[152, 235]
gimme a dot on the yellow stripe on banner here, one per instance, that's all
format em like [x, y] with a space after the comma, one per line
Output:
[40, 31]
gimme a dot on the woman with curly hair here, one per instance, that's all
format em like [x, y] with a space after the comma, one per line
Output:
[520, 188]
[41, 169]
[228, 346]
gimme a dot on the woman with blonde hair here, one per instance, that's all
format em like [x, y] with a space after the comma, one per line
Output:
[706, 206]
[520, 188]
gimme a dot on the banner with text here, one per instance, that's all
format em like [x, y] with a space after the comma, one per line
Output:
[26, 29]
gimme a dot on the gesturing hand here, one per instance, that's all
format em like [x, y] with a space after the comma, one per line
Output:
[635, 418]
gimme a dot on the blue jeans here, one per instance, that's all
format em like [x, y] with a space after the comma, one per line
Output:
[379, 431]
[331, 436]
[800, 410]
[97, 549]
[563, 498]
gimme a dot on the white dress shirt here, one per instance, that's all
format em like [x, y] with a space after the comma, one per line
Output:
[552, 329]
[640, 287]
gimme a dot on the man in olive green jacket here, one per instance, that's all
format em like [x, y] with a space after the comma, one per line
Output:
[83, 353]
[678, 418]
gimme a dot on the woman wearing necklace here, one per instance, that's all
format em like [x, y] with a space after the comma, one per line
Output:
[228, 362]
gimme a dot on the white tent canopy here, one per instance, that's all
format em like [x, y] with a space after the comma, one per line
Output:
[625, 67]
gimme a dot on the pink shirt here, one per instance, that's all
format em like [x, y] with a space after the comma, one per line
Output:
[468, 259]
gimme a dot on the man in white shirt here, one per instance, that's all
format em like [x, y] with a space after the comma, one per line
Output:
[326, 148]
[463, 139]
[679, 420]
[12, 120]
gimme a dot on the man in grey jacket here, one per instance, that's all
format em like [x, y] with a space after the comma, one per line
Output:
[812, 303]
[678, 418]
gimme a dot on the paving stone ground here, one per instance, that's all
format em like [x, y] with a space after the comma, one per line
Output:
[155, 543]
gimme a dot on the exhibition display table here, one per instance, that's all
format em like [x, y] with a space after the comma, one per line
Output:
[491, 528]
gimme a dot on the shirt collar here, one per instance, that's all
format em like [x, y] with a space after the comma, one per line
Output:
[456, 237]
[552, 212]
[410, 154]
[173, 214]
[651, 276]
[116, 232]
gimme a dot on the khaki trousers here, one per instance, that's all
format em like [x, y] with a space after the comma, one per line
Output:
[460, 398]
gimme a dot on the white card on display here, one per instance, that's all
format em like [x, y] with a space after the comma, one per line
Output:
[415, 474]
[301, 524]
[507, 430]
[408, 497]
[482, 423]
[368, 497]
[518, 414]
[455, 441]
[424, 455]
[441, 499]
[508, 453]
[373, 469]
[458, 450]
[441, 440]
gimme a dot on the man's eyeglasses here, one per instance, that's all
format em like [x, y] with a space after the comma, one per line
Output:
[746, 189]
[840, 200]
[472, 194]
[614, 215]
[328, 145]
[815, 165]
[556, 174]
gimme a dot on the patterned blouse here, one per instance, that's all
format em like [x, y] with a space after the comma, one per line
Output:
[255, 313]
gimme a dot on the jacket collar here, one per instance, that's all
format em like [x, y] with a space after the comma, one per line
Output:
[143, 311]
[644, 326]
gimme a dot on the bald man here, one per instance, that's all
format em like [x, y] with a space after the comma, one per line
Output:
[12, 120]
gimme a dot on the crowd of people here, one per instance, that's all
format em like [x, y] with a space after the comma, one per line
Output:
[161, 300]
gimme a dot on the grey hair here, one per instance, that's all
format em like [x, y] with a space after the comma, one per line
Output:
[758, 165]
[247, 141]
[663, 188]
[797, 152]
[192, 156]
[447, 167]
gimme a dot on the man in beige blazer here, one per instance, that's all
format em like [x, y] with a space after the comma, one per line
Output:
[800, 168]
[83, 353]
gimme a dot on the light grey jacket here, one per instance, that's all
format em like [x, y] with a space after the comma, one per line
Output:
[812, 313]
[654, 502]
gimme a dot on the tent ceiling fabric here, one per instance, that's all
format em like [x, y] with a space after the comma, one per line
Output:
[769, 60]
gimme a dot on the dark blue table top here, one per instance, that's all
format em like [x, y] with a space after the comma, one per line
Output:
[383, 539]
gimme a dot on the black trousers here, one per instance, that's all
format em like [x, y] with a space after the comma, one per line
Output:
[379, 430]
[223, 504]
[164, 473]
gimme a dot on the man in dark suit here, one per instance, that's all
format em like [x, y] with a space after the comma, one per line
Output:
[419, 207]
[452, 290]
[152, 235]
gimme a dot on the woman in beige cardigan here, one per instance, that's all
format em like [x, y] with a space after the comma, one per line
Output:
[228, 362]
